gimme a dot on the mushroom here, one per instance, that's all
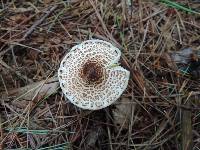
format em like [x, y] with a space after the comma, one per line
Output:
[90, 76]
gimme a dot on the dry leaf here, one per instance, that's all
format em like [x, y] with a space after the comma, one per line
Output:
[22, 10]
[46, 2]
[93, 136]
[17, 18]
[42, 88]
[182, 56]
[123, 112]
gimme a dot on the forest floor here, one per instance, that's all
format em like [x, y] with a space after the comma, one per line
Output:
[160, 43]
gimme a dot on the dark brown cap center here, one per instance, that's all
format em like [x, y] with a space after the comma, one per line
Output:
[92, 72]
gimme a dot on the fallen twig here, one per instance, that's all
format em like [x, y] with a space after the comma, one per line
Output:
[13, 70]
[38, 22]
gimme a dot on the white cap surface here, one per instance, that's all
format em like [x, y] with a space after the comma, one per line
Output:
[89, 76]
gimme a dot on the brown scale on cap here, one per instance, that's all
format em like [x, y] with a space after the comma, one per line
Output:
[92, 72]
[89, 77]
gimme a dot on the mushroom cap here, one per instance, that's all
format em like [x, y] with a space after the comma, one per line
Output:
[90, 76]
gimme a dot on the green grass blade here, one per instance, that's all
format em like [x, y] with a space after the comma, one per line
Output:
[64, 146]
[178, 6]
[36, 132]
